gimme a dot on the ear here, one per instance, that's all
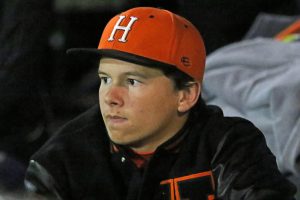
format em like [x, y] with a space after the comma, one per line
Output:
[189, 96]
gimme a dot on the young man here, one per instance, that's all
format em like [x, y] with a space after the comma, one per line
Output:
[153, 137]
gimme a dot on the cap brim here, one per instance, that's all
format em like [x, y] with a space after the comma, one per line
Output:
[125, 56]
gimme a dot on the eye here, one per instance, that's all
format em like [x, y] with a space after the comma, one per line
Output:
[105, 80]
[133, 82]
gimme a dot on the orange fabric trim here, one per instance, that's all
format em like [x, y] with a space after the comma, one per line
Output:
[188, 177]
[171, 183]
[174, 184]
[143, 153]
[293, 28]
[192, 176]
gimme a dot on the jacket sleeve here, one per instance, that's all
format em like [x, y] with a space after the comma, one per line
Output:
[244, 167]
[38, 181]
[46, 174]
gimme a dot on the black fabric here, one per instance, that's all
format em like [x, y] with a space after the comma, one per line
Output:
[232, 149]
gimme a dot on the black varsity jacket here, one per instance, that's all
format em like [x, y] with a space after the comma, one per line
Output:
[220, 158]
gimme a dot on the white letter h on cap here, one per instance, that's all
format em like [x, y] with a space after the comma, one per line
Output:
[126, 29]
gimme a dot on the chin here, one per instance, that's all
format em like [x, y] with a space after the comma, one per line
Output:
[119, 140]
[125, 142]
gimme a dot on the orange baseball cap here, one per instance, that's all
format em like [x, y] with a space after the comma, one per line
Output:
[153, 36]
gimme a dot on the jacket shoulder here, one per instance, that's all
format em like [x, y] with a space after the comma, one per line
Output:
[240, 158]
[220, 124]
[58, 166]
[78, 132]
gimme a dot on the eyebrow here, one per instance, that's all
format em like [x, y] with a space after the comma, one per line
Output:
[135, 73]
[100, 72]
[130, 73]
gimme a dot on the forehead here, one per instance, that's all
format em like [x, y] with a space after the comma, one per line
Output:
[112, 65]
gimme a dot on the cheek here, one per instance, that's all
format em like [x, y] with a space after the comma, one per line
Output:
[155, 105]
[139, 108]
[101, 96]
[100, 101]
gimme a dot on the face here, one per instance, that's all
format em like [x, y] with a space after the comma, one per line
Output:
[139, 105]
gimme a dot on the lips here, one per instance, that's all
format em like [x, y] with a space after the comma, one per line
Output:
[115, 119]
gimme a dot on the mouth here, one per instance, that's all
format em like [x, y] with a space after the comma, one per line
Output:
[115, 119]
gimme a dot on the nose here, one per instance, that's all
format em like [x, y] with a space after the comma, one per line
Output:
[114, 96]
